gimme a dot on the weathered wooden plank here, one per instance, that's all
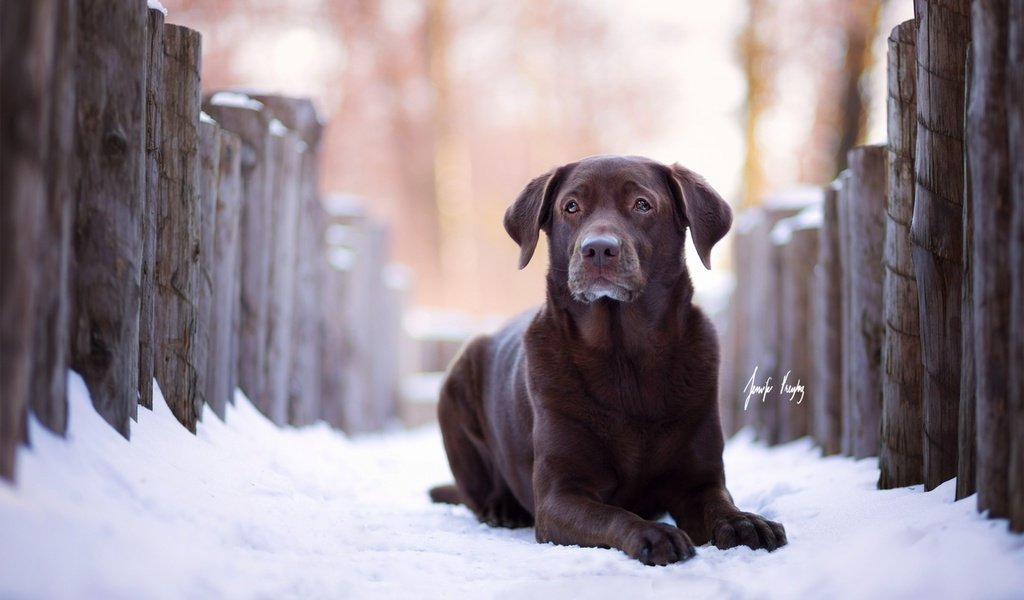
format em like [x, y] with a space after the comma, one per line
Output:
[966, 464]
[246, 118]
[385, 357]
[1015, 136]
[48, 395]
[734, 373]
[154, 133]
[936, 232]
[209, 173]
[286, 157]
[761, 334]
[827, 403]
[797, 239]
[108, 246]
[900, 460]
[26, 37]
[221, 366]
[300, 116]
[178, 222]
[336, 276]
[988, 160]
[843, 202]
[866, 211]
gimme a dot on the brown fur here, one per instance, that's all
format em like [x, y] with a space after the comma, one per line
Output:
[597, 412]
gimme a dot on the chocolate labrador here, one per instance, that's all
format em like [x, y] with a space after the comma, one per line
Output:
[597, 413]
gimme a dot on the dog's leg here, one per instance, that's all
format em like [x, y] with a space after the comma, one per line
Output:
[478, 484]
[709, 515]
[576, 518]
[570, 507]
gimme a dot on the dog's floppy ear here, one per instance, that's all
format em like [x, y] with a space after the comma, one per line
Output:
[531, 210]
[707, 215]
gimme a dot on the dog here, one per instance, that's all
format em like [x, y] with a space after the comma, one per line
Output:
[596, 414]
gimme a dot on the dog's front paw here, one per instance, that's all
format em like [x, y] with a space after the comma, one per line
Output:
[748, 529]
[659, 544]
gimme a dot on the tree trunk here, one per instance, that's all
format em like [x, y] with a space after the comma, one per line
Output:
[900, 460]
[108, 228]
[52, 343]
[827, 402]
[249, 122]
[221, 368]
[209, 173]
[987, 155]
[1015, 136]
[936, 231]
[178, 223]
[860, 30]
[866, 209]
[154, 133]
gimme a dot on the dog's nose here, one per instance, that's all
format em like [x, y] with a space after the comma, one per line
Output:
[600, 248]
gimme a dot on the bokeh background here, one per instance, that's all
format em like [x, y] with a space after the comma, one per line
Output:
[439, 111]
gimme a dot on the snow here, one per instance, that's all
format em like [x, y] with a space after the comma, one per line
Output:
[277, 128]
[235, 100]
[157, 5]
[205, 118]
[248, 510]
[808, 218]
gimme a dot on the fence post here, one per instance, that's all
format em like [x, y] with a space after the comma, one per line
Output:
[866, 205]
[111, 169]
[843, 202]
[154, 135]
[23, 100]
[761, 347]
[967, 428]
[1015, 133]
[222, 365]
[300, 116]
[987, 156]
[286, 157]
[829, 301]
[48, 394]
[935, 230]
[178, 222]
[336, 271]
[209, 172]
[900, 460]
[796, 238]
[245, 118]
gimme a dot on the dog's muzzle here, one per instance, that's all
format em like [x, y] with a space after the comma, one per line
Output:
[602, 266]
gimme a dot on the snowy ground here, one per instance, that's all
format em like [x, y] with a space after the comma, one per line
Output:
[246, 510]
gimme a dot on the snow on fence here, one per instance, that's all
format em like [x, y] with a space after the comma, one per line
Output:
[149, 232]
[916, 303]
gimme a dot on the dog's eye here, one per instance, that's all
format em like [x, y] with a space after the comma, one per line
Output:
[642, 205]
[572, 207]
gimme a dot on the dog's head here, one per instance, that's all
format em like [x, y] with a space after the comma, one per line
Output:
[616, 222]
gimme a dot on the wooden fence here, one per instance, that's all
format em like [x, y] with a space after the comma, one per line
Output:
[914, 314]
[147, 231]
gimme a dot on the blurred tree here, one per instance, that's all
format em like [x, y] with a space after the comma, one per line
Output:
[754, 46]
[798, 56]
